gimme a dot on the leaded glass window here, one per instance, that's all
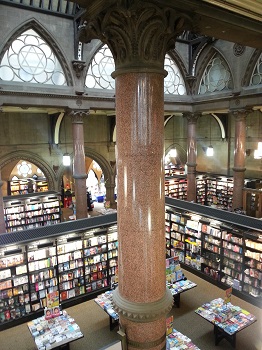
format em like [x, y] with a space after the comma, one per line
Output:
[100, 70]
[30, 59]
[256, 78]
[174, 83]
[102, 66]
[216, 77]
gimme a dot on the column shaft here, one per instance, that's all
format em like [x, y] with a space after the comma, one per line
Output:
[239, 158]
[2, 217]
[79, 171]
[140, 152]
[191, 155]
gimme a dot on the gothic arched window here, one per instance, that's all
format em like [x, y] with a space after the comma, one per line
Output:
[102, 66]
[216, 77]
[30, 59]
[256, 78]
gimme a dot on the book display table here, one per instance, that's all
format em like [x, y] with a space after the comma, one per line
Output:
[179, 287]
[227, 319]
[177, 341]
[104, 300]
[55, 333]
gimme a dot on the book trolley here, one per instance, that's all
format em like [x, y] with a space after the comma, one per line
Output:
[227, 319]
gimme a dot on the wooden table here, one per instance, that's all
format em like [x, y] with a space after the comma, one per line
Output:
[55, 333]
[180, 287]
[227, 319]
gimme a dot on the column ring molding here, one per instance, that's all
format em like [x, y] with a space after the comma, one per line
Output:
[79, 176]
[142, 312]
[239, 169]
[140, 69]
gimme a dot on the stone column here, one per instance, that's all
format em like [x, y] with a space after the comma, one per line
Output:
[2, 217]
[239, 157]
[79, 171]
[110, 195]
[139, 33]
[191, 155]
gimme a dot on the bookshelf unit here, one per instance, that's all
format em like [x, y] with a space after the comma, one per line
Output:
[222, 247]
[25, 186]
[252, 202]
[32, 210]
[77, 259]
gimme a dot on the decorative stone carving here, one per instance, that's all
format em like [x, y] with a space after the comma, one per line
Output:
[138, 33]
[191, 117]
[78, 67]
[238, 49]
[77, 117]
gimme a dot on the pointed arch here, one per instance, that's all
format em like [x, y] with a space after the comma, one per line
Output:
[32, 158]
[254, 68]
[213, 73]
[43, 34]
[109, 173]
[176, 78]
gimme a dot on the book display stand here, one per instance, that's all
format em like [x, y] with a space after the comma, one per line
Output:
[227, 319]
[104, 300]
[54, 333]
[176, 340]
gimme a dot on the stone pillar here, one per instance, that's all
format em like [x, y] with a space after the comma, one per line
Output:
[239, 157]
[79, 171]
[191, 155]
[2, 217]
[139, 33]
[110, 195]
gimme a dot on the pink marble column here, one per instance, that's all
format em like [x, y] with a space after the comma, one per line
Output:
[140, 152]
[191, 155]
[2, 218]
[239, 157]
[79, 171]
[139, 33]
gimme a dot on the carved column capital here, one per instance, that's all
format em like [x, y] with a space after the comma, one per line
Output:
[240, 114]
[77, 116]
[192, 117]
[138, 33]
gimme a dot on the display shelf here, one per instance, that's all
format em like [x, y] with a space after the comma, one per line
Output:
[252, 281]
[219, 247]
[14, 284]
[176, 187]
[67, 262]
[95, 262]
[42, 272]
[31, 210]
[211, 247]
[252, 202]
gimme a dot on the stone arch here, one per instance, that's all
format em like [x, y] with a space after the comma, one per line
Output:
[174, 55]
[32, 158]
[37, 27]
[250, 67]
[107, 169]
[203, 60]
